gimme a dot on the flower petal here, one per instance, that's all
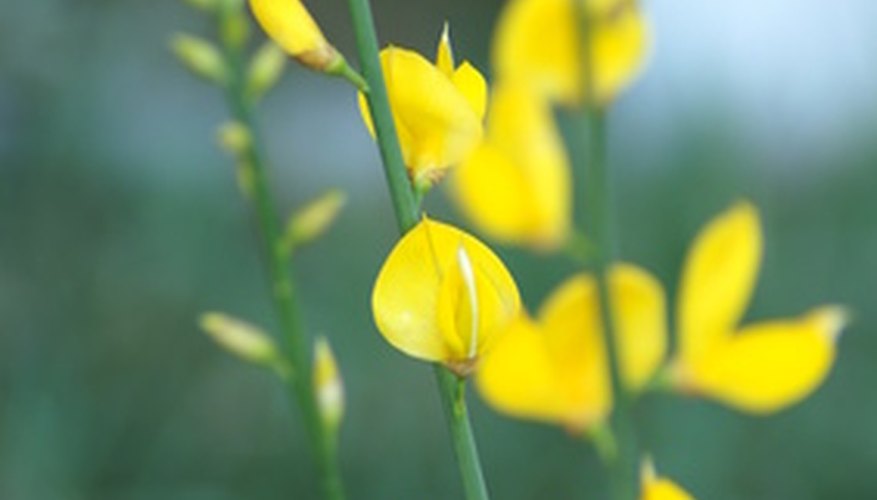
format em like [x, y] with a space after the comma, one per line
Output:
[538, 40]
[444, 56]
[518, 376]
[770, 366]
[471, 83]
[641, 320]
[290, 25]
[477, 299]
[717, 280]
[419, 292]
[435, 123]
[664, 489]
[571, 321]
[516, 186]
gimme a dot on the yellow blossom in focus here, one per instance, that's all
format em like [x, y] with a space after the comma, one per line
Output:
[555, 368]
[443, 296]
[437, 109]
[538, 41]
[291, 26]
[760, 368]
[516, 185]
[655, 487]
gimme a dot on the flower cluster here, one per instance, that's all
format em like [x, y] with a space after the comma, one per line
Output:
[443, 296]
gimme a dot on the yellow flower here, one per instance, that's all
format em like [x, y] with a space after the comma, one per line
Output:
[555, 369]
[437, 109]
[655, 487]
[760, 368]
[516, 185]
[443, 296]
[291, 26]
[538, 41]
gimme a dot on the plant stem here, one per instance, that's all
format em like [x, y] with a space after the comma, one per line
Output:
[278, 265]
[401, 193]
[453, 394]
[598, 217]
[598, 214]
[407, 210]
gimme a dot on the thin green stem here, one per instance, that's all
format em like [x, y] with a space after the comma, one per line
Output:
[401, 193]
[407, 210]
[598, 214]
[599, 224]
[283, 290]
[453, 394]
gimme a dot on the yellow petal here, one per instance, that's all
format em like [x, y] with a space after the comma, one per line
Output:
[516, 186]
[641, 320]
[436, 125]
[571, 321]
[717, 280]
[421, 301]
[291, 26]
[471, 83]
[444, 57]
[538, 40]
[664, 489]
[655, 487]
[519, 377]
[474, 305]
[769, 366]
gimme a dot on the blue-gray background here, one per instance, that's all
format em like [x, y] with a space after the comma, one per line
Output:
[120, 223]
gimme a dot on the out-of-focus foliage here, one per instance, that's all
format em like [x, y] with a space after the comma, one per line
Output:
[120, 223]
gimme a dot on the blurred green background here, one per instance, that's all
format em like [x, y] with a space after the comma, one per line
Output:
[120, 222]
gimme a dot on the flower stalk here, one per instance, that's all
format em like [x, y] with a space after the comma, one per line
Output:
[283, 291]
[598, 214]
[407, 209]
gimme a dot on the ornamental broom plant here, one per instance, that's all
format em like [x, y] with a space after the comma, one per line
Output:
[602, 338]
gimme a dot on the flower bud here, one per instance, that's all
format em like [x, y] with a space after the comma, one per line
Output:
[266, 69]
[314, 219]
[241, 339]
[234, 138]
[200, 57]
[328, 386]
[291, 26]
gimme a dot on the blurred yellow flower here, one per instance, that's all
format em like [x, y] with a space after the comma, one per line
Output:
[437, 109]
[443, 296]
[655, 487]
[761, 368]
[555, 368]
[516, 185]
[291, 26]
[538, 41]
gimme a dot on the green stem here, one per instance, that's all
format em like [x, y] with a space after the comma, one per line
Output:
[407, 210]
[598, 214]
[401, 193]
[599, 223]
[282, 289]
[453, 394]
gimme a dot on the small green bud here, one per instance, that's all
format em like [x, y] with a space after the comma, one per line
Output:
[234, 138]
[328, 386]
[241, 339]
[314, 219]
[200, 57]
[266, 69]
[235, 28]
